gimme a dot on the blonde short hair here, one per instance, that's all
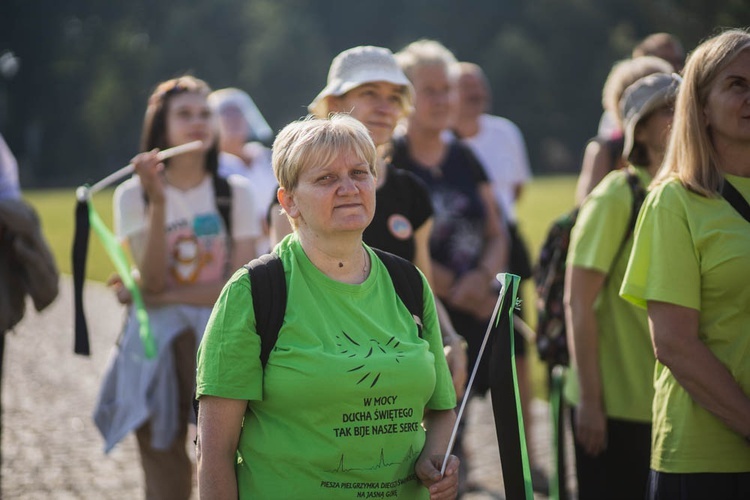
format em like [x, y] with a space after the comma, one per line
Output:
[625, 73]
[319, 141]
[691, 156]
[427, 53]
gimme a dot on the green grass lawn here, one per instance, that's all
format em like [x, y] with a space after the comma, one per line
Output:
[542, 201]
[56, 208]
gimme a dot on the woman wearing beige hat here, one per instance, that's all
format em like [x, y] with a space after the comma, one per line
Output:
[689, 268]
[611, 380]
[367, 83]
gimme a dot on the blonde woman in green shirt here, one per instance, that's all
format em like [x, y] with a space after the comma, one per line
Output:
[612, 356]
[689, 267]
[353, 402]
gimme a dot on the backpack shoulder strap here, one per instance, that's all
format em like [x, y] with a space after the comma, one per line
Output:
[407, 282]
[615, 146]
[639, 194]
[268, 283]
[223, 199]
[735, 199]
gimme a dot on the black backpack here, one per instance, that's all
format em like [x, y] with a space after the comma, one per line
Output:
[268, 288]
[268, 284]
[549, 278]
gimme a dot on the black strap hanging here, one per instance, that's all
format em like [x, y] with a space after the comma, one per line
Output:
[506, 403]
[80, 251]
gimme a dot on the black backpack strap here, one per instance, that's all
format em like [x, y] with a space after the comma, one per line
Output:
[407, 282]
[268, 283]
[615, 147]
[639, 194]
[735, 199]
[223, 199]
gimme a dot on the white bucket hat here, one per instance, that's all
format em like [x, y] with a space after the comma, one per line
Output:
[220, 99]
[641, 98]
[357, 66]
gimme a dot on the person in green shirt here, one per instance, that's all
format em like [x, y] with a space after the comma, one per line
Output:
[613, 361]
[689, 268]
[352, 402]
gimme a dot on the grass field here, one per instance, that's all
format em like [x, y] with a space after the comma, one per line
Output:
[542, 201]
[56, 208]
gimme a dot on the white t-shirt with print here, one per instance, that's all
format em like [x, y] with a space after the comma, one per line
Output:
[196, 236]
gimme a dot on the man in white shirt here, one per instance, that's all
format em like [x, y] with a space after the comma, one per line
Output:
[496, 141]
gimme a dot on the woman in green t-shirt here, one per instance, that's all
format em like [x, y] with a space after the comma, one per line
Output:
[352, 401]
[689, 267]
[612, 352]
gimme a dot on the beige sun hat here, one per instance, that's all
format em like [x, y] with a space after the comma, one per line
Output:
[357, 66]
[643, 97]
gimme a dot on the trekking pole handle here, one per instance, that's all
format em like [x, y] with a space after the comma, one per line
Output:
[83, 192]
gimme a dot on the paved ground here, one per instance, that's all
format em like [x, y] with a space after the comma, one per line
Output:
[51, 449]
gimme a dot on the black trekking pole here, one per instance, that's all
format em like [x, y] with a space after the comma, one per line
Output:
[506, 402]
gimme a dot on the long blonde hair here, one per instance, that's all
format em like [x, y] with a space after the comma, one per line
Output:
[691, 156]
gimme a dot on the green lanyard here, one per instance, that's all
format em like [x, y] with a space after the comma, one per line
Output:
[555, 399]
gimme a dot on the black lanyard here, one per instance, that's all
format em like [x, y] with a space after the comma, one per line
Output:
[735, 199]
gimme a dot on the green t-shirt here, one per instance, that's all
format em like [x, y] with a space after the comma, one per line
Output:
[626, 357]
[694, 251]
[337, 411]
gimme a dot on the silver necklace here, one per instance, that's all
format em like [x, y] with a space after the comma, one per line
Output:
[364, 263]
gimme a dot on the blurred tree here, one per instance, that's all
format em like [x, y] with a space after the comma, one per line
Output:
[73, 112]
[284, 58]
